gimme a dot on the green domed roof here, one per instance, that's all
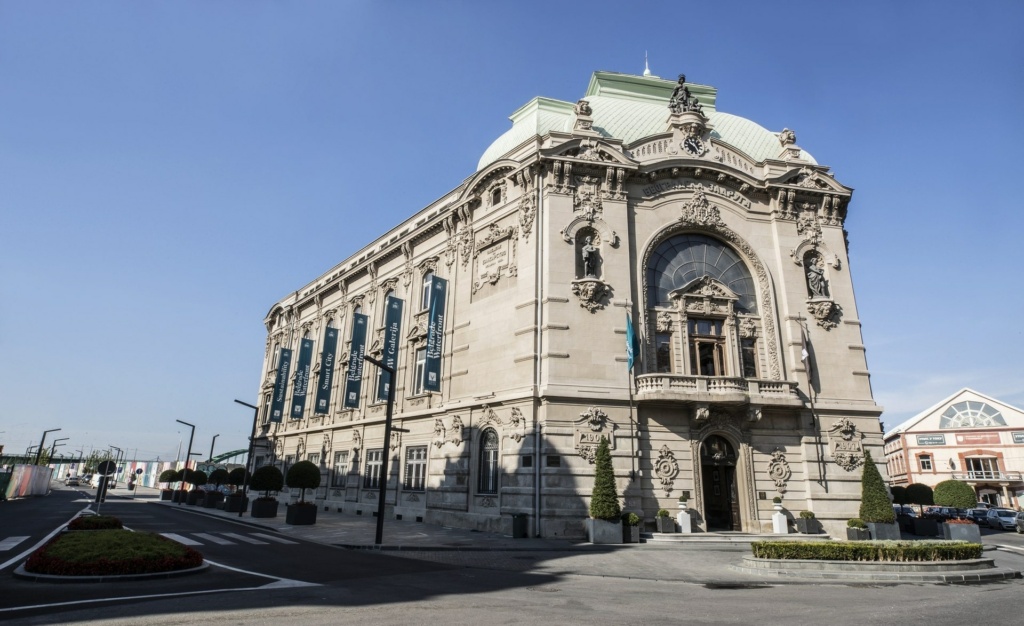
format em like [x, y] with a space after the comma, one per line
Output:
[630, 108]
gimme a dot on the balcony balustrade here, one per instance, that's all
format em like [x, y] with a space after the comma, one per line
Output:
[724, 389]
[993, 476]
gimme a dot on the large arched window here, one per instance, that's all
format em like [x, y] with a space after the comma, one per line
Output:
[681, 259]
[488, 462]
[971, 414]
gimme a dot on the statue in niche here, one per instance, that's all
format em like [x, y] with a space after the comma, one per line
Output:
[589, 256]
[816, 282]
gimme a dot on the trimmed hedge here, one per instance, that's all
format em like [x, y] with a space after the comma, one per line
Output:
[111, 552]
[95, 522]
[955, 493]
[303, 475]
[874, 499]
[918, 493]
[899, 495]
[894, 551]
[266, 479]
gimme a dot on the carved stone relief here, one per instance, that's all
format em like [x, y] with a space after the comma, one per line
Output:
[845, 444]
[357, 444]
[587, 199]
[666, 468]
[779, 470]
[698, 211]
[593, 426]
[825, 312]
[591, 293]
[495, 256]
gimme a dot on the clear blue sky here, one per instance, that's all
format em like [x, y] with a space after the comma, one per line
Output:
[168, 170]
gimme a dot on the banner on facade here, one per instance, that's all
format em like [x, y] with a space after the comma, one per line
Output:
[302, 378]
[323, 388]
[284, 369]
[354, 380]
[392, 332]
[435, 334]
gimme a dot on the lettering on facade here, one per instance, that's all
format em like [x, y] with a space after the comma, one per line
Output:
[976, 439]
[1018, 437]
[666, 186]
[491, 263]
[931, 440]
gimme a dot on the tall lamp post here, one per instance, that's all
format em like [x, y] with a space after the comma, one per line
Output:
[53, 450]
[117, 461]
[213, 441]
[385, 468]
[249, 460]
[188, 456]
[41, 442]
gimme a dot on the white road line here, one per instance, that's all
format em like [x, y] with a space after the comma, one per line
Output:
[182, 539]
[244, 538]
[273, 538]
[42, 541]
[214, 539]
[10, 542]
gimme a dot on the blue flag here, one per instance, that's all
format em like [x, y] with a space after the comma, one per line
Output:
[632, 345]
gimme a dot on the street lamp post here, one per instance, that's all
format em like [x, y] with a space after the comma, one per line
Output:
[53, 446]
[117, 461]
[249, 460]
[41, 442]
[385, 468]
[188, 456]
[213, 441]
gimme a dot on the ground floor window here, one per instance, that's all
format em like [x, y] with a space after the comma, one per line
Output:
[340, 469]
[488, 462]
[373, 463]
[925, 461]
[415, 468]
[314, 458]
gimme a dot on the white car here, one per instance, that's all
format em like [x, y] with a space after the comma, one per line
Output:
[1002, 519]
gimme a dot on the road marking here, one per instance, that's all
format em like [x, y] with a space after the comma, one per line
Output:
[273, 538]
[42, 541]
[181, 539]
[244, 538]
[214, 539]
[10, 542]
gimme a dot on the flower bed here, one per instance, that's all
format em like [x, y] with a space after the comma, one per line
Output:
[887, 551]
[111, 552]
[95, 522]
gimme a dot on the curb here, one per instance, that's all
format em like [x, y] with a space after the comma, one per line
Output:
[20, 572]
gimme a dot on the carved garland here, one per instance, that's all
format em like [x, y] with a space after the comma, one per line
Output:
[779, 470]
[666, 468]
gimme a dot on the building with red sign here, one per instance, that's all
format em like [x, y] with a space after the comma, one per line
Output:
[968, 436]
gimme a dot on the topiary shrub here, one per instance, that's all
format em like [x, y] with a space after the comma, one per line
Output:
[664, 513]
[777, 500]
[954, 493]
[631, 519]
[899, 495]
[875, 507]
[604, 499]
[856, 523]
[303, 475]
[807, 514]
[196, 478]
[218, 477]
[266, 479]
[236, 477]
[920, 494]
[168, 476]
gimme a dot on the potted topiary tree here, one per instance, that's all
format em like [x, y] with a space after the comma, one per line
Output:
[180, 495]
[266, 479]
[196, 478]
[303, 475]
[921, 495]
[806, 524]
[604, 525]
[875, 508]
[167, 477]
[960, 495]
[857, 530]
[630, 528]
[236, 500]
[664, 522]
[214, 496]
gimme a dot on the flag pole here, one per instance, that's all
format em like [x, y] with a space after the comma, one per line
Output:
[631, 350]
[805, 357]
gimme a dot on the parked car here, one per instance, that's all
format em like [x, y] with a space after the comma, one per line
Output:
[86, 480]
[1002, 519]
[943, 513]
[904, 509]
[1020, 521]
[978, 516]
[72, 481]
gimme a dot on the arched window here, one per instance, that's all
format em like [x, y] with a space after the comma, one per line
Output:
[428, 278]
[488, 462]
[971, 414]
[681, 259]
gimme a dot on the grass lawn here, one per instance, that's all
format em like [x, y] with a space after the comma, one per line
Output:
[111, 552]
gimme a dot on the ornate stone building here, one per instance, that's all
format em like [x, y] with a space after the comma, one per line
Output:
[724, 244]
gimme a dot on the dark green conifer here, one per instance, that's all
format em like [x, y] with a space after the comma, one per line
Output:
[604, 500]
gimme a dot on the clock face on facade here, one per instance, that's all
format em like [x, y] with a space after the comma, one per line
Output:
[693, 145]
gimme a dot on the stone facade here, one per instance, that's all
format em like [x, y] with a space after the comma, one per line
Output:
[721, 241]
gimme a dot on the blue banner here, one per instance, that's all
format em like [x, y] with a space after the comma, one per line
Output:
[392, 333]
[323, 388]
[302, 378]
[284, 366]
[632, 345]
[354, 380]
[435, 334]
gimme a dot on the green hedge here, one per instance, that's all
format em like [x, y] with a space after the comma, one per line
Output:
[95, 522]
[109, 552]
[895, 551]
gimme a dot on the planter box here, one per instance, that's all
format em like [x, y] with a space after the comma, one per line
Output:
[665, 524]
[235, 505]
[179, 495]
[212, 499]
[962, 532]
[630, 534]
[858, 534]
[808, 526]
[300, 514]
[884, 532]
[906, 523]
[195, 497]
[924, 527]
[165, 494]
[264, 508]
[603, 531]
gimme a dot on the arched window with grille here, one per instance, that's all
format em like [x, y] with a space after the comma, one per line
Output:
[488, 462]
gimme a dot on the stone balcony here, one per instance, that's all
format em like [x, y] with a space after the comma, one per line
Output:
[988, 477]
[716, 389]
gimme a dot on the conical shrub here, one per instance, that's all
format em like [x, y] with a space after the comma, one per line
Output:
[604, 499]
[875, 506]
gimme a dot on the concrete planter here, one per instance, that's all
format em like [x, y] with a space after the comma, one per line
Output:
[235, 505]
[603, 531]
[264, 508]
[165, 494]
[212, 499]
[962, 532]
[300, 514]
[858, 534]
[630, 534]
[665, 524]
[807, 526]
[194, 497]
[924, 527]
[884, 532]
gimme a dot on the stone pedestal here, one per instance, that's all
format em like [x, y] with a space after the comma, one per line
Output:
[685, 524]
[780, 525]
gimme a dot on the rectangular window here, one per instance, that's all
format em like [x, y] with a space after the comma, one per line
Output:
[340, 469]
[415, 468]
[289, 460]
[373, 464]
[925, 462]
[706, 347]
[748, 353]
[314, 458]
[421, 365]
[663, 350]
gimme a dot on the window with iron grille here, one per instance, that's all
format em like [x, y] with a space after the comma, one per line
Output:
[488, 462]
[415, 468]
[340, 469]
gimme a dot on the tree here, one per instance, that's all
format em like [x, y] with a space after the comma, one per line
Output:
[266, 479]
[236, 477]
[604, 499]
[303, 475]
[899, 495]
[874, 500]
[920, 494]
[168, 476]
[196, 478]
[218, 477]
[955, 493]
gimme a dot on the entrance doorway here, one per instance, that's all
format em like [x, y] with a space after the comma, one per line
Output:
[718, 471]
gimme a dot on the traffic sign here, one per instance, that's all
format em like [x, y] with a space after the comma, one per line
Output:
[138, 471]
[106, 468]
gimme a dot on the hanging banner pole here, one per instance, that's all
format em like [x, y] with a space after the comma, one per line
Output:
[284, 364]
[435, 334]
[354, 380]
[392, 333]
[323, 388]
[302, 378]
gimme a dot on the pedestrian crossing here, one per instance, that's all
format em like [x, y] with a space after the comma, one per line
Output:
[225, 539]
[9, 542]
